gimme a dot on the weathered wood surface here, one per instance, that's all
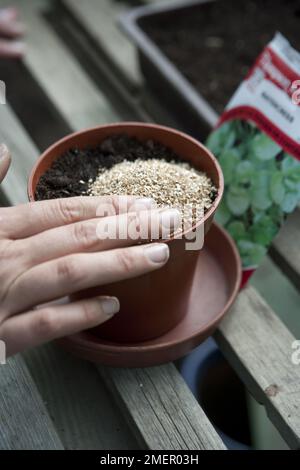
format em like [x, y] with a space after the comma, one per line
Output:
[100, 21]
[159, 406]
[286, 248]
[81, 407]
[259, 347]
[74, 95]
[24, 420]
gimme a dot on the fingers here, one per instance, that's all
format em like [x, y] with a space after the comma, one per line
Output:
[39, 326]
[26, 220]
[11, 29]
[64, 276]
[9, 14]
[98, 235]
[9, 24]
[11, 49]
[5, 160]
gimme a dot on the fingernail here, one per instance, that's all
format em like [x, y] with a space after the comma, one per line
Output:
[170, 218]
[110, 306]
[158, 253]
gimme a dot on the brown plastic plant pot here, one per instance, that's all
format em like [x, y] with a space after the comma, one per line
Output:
[154, 303]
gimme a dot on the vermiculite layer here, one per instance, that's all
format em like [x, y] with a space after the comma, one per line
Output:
[168, 183]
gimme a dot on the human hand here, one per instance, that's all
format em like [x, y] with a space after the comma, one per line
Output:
[10, 31]
[50, 249]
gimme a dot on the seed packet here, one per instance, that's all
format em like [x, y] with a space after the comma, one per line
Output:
[257, 142]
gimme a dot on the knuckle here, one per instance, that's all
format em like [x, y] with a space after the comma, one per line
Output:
[126, 260]
[89, 311]
[139, 222]
[116, 203]
[68, 270]
[69, 209]
[120, 204]
[84, 234]
[44, 323]
[10, 249]
[17, 250]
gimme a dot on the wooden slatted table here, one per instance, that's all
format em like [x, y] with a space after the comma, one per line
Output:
[81, 71]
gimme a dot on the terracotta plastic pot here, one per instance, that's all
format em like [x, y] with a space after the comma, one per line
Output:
[154, 303]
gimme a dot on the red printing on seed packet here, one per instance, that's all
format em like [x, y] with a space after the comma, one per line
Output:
[269, 96]
[257, 142]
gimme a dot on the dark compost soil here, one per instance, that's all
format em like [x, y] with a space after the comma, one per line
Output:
[70, 173]
[215, 43]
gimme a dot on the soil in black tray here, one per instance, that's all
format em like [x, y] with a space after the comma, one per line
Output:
[214, 44]
[71, 174]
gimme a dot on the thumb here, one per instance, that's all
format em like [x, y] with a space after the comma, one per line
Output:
[4, 161]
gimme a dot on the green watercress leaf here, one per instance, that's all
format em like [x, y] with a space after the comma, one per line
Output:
[237, 200]
[276, 214]
[251, 253]
[260, 194]
[223, 214]
[264, 148]
[244, 171]
[290, 166]
[221, 138]
[290, 202]
[264, 230]
[277, 189]
[237, 230]
[229, 160]
[292, 186]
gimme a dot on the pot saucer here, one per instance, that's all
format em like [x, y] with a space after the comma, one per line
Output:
[216, 284]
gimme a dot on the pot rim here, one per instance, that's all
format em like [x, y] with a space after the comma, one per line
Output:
[133, 124]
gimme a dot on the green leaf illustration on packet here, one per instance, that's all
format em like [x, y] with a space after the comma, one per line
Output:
[257, 143]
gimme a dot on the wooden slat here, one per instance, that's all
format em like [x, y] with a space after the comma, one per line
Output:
[82, 408]
[259, 347]
[37, 4]
[163, 413]
[100, 21]
[286, 248]
[24, 421]
[156, 1]
[74, 95]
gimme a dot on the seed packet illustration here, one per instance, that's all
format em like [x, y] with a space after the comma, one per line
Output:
[257, 142]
